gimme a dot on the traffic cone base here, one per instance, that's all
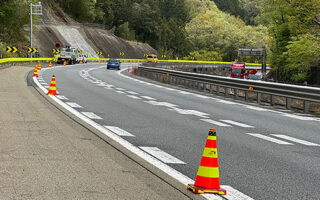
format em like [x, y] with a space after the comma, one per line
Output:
[207, 179]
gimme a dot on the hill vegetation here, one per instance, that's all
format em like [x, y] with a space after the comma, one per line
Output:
[199, 29]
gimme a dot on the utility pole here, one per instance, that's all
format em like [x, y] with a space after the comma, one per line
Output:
[37, 11]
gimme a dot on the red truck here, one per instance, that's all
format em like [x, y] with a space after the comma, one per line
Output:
[238, 70]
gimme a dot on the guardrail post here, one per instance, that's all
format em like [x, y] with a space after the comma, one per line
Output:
[259, 98]
[217, 89]
[288, 103]
[204, 87]
[272, 100]
[225, 91]
[306, 106]
[211, 88]
[246, 95]
[199, 86]
[235, 93]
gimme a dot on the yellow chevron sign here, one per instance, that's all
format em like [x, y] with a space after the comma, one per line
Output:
[99, 53]
[32, 50]
[121, 53]
[11, 49]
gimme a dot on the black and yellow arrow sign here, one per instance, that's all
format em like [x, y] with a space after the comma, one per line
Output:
[145, 55]
[11, 49]
[32, 50]
[54, 51]
[80, 52]
[121, 53]
[164, 56]
[99, 53]
[58, 51]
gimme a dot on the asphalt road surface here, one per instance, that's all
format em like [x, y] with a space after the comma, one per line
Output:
[263, 153]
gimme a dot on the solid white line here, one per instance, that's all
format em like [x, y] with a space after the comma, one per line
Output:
[161, 155]
[269, 139]
[108, 88]
[166, 104]
[255, 108]
[292, 139]
[147, 97]
[73, 105]
[131, 92]
[46, 86]
[119, 131]
[120, 92]
[237, 123]
[133, 97]
[202, 96]
[184, 92]
[215, 122]
[91, 115]
[120, 89]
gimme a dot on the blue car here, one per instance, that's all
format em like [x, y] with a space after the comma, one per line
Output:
[113, 63]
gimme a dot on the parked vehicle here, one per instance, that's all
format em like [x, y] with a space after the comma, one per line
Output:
[113, 63]
[238, 70]
[152, 58]
[70, 55]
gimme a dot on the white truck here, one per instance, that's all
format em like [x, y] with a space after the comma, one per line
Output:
[70, 55]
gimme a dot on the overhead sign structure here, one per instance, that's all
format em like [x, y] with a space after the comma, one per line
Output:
[11, 49]
[260, 51]
[32, 50]
[99, 53]
[121, 53]
[55, 51]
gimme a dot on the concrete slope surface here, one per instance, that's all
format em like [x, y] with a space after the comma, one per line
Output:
[263, 153]
[46, 155]
[56, 26]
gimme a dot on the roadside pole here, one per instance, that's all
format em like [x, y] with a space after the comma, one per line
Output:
[37, 11]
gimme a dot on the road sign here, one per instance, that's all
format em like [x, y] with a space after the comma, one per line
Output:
[80, 52]
[11, 49]
[32, 50]
[251, 52]
[54, 51]
[99, 53]
[164, 56]
[145, 55]
[57, 45]
[121, 53]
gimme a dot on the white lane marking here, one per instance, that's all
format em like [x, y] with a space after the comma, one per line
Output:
[255, 108]
[190, 112]
[133, 97]
[147, 97]
[46, 86]
[73, 105]
[44, 83]
[161, 155]
[237, 123]
[184, 92]
[170, 89]
[269, 138]
[227, 102]
[91, 115]
[298, 117]
[233, 194]
[120, 89]
[131, 92]
[156, 103]
[62, 97]
[103, 84]
[202, 96]
[120, 92]
[119, 131]
[215, 122]
[108, 88]
[292, 139]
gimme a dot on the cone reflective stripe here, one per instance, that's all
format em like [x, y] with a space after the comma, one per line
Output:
[52, 88]
[207, 179]
[50, 64]
[35, 72]
[39, 66]
[64, 63]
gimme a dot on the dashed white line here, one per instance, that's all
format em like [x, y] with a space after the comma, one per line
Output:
[120, 89]
[73, 105]
[269, 139]
[131, 92]
[215, 122]
[292, 139]
[133, 97]
[91, 115]
[184, 92]
[120, 92]
[147, 97]
[161, 155]
[166, 104]
[119, 131]
[62, 97]
[255, 108]
[237, 123]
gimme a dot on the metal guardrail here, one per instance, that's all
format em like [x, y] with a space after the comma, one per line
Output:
[214, 84]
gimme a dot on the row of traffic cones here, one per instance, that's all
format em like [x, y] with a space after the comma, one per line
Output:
[52, 87]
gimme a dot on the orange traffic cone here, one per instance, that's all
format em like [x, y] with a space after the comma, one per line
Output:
[39, 66]
[64, 63]
[99, 62]
[207, 180]
[80, 62]
[52, 88]
[35, 72]
[50, 64]
[132, 70]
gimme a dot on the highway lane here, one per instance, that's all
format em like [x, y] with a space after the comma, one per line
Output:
[177, 122]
